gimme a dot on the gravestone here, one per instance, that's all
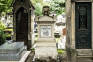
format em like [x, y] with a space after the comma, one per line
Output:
[46, 43]
[79, 42]
[11, 51]
[23, 17]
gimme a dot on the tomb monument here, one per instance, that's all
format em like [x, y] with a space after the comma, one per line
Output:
[46, 43]
[79, 21]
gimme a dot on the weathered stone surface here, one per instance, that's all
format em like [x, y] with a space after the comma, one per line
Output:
[84, 52]
[46, 43]
[84, 59]
[29, 9]
[73, 54]
[45, 53]
[12, 47]
[11, 52]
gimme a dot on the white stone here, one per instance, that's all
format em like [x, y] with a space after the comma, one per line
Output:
[44, 53]
[45, 47]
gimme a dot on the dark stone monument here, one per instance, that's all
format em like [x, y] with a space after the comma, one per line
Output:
[22, 21]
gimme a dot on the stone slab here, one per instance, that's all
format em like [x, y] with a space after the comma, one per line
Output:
[45, 53]
[85, 52]
[46, 39]
[11, 52]
[23, 59]
[47, 44]
[11, 48]
[84, 59]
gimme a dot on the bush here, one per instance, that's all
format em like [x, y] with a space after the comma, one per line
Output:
[2, 26]
[2, 37]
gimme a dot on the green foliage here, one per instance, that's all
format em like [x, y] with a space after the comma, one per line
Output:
[8, 30]
[38, 10]
[5, 6]
[2, 26]
[9, 35]
[60, 51]
[57, 6]
[32, 50]
[37, 1]
[38, 6]
[2, 37]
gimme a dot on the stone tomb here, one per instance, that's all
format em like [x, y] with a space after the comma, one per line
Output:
[46, 43]
[11, 51]
[23, 18]
[79, 19]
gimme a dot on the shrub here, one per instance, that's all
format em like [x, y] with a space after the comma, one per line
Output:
[2, 37]
[2, 26]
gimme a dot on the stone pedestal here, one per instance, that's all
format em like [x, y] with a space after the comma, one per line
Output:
[11, 52]
[46, 44]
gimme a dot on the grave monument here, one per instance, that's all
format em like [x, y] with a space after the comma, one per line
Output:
[11, 51]
[23, 19]
[46, 43]
[79, 20]
[23, 22]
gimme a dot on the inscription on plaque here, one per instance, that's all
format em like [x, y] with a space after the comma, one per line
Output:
[45, 31]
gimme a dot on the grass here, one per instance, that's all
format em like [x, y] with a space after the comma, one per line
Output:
[32, 49]
[60, 51]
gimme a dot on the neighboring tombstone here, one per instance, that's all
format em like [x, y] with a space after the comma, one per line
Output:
[23, 22]
[46, 43]
[79, 20]
[11, 51]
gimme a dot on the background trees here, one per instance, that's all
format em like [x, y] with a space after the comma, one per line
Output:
[5, 6]
[57, 6]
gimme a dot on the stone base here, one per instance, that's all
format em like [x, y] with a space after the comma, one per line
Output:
[11, 51]
[46, 53]
[81, 55]
[84, 59]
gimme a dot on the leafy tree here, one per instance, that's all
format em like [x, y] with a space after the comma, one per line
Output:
[5, 6]
[38, 6]
[37, 1]
[38, 10]
[57, 6]
[2, 26]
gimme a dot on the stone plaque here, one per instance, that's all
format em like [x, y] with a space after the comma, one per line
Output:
[45, 31]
